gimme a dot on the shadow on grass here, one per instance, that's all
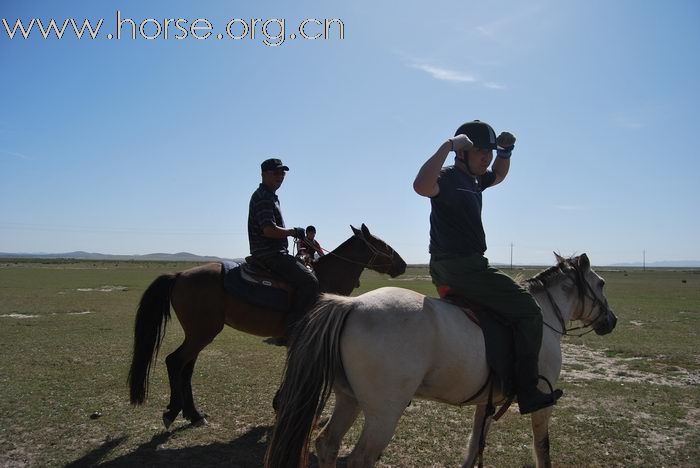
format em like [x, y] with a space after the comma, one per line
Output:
[248, 450]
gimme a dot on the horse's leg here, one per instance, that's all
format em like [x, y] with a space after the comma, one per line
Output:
[540, 433]
[189, 410]
[180, 384]
[174, 365]
[328, 442]
[380, 424]
[480, 428]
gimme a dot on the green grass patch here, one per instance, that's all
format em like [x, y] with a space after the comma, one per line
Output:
[67, 360]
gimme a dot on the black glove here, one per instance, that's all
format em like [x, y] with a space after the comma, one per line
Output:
[506, 143]
[300, 233]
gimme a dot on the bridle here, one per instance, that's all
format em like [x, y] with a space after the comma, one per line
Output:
[376, 253]
[583, 293]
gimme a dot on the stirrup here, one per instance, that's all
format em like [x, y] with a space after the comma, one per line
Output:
[538, 400]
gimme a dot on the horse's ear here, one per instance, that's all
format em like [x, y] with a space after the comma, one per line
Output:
[365, 230]
[559, 258]
[355, 230]
[584, 262]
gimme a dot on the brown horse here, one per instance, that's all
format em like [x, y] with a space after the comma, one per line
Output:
[203, 307]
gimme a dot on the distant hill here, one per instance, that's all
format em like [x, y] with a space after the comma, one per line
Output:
[80, 255]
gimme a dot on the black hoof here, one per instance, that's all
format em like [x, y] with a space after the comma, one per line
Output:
[168, 417]
[167, 421]
[201, 422]
[197, 419]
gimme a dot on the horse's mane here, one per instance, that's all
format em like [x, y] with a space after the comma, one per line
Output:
[544, 279]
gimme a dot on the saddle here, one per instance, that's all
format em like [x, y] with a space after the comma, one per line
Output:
[253, 283]
[498, 338]
[257, 273]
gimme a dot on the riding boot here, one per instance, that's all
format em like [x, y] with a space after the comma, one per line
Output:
[530, 398]
[535, 399]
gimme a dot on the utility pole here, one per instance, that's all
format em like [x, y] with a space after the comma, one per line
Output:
[511, 256]
[644, 260]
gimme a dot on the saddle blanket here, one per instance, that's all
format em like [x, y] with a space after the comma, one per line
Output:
[257, 293]
[498, 338]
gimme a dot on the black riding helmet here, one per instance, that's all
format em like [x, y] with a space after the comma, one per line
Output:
[480, 133]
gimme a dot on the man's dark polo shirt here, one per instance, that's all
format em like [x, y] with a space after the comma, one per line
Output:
[455, 216]
[264, 210]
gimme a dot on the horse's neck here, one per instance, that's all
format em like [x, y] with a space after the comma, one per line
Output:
[339, 271]
[565, 301]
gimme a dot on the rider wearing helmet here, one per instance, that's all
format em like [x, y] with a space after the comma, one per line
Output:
[458, 244]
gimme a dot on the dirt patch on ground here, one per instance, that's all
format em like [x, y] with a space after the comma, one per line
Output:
[104, 289]
[582, 363]
[413, 278]
[18, 316]
[27, 316]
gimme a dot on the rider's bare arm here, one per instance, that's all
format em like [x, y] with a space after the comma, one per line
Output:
[426, 183]
[500, 168]
[506, 143]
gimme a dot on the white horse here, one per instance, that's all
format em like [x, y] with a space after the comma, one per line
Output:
[380, 350]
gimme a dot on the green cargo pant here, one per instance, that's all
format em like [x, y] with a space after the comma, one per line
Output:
[473, 278]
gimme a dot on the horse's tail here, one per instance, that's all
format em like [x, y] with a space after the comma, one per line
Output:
[149, 329]
[312, 362]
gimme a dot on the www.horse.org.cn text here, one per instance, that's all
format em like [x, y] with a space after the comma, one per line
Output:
[271, 32]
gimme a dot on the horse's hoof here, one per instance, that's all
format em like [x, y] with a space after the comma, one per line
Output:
[201, 422]
[167, 422]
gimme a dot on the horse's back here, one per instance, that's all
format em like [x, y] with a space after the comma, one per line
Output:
[200, 300]
[197, 283]
[422, 345]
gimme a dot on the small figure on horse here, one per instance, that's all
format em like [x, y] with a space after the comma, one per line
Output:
[308, 247]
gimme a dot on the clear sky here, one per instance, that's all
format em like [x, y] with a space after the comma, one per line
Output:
[141, 146]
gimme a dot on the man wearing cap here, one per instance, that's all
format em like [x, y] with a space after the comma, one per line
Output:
[268, 240]
[458, 244]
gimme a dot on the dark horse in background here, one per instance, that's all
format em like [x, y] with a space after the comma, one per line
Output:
[203, 307]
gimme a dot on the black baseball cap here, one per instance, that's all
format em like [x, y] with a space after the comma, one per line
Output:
[480, 133]
[273, 165]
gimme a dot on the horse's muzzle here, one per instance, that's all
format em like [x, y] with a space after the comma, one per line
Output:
[605, 324]
[397, 269]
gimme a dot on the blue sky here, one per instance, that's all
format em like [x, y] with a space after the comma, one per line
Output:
[140, 146]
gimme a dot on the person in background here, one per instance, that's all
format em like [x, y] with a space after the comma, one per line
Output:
[308, 247]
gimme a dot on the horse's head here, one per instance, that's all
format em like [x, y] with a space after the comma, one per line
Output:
[382, 258]
[593, 309]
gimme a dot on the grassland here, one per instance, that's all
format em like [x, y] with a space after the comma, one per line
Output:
[632, 397]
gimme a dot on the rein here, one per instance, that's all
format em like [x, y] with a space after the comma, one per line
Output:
[375, 253]
[583, 294]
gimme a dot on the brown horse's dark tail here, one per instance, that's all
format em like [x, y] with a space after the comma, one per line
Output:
[312, 363]
[149, 329]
